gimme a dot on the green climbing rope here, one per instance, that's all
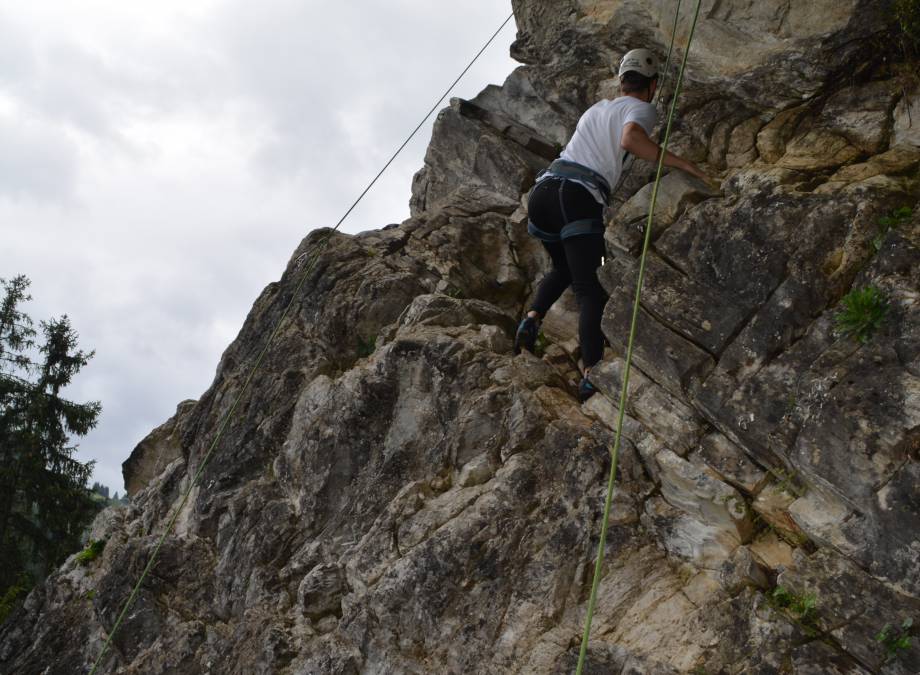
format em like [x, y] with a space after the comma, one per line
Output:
[667, 62]
[317, 250]
[611, 481]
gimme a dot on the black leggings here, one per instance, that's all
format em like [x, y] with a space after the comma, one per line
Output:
[552, 204]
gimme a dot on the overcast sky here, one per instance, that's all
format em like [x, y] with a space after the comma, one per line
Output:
[160, 161]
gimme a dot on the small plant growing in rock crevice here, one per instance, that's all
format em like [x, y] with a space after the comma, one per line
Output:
[14, 594]
[862, 313]
[895, 641]
[91, 552]
[887, 223]
[907, 15]
[366, 347]
[802, 608]
[542, 343]
[789, 481]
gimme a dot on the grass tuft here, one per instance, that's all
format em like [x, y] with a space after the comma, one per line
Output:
[862, 313]
[895, 641]
[886, 223]
[801, 608]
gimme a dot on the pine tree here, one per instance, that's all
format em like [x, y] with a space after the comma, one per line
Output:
[44, 500]
[100, 489]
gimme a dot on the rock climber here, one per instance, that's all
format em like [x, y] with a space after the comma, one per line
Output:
[566, 206]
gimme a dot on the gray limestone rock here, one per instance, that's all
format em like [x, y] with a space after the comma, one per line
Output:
[157, 451]
[729, 463]
[676, 192]
[675, 423]
[906, 129]
[688, 538]
[854, 608]
[320, 592]
[742, 571]
[697, 493]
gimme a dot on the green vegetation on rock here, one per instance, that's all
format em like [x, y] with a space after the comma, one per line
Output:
[887, 223]
[907, 15]
[92, 551]
[862, 313]
[541, 345]
[13, 595]
[789, 481]
[800, 607]
[894, 640]
[366, 347]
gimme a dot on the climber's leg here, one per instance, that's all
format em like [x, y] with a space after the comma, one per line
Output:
[584, 255]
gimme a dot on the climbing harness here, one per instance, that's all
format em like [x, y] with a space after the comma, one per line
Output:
[592, 600]
[577, 173]
[563, 168]
[317, 250]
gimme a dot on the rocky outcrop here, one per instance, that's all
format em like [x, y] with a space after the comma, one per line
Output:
[398, 493]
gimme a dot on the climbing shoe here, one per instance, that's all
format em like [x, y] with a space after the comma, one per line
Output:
[585, 390]
[526, 336]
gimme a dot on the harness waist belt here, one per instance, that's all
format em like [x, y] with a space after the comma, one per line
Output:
[573, 229]
[562, 168]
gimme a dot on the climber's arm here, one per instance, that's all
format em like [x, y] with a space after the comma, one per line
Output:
[636, 142]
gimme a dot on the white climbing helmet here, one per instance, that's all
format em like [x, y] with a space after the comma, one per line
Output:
[642, 61]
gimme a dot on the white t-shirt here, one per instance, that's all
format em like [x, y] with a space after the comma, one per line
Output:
[596, 142]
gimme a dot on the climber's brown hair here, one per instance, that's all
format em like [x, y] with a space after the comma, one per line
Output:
[632, 82]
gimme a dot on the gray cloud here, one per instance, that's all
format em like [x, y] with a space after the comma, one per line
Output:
[16, 57]
[37, 162]
[314, 67]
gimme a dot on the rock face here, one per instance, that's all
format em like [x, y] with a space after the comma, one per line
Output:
[397, 493]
